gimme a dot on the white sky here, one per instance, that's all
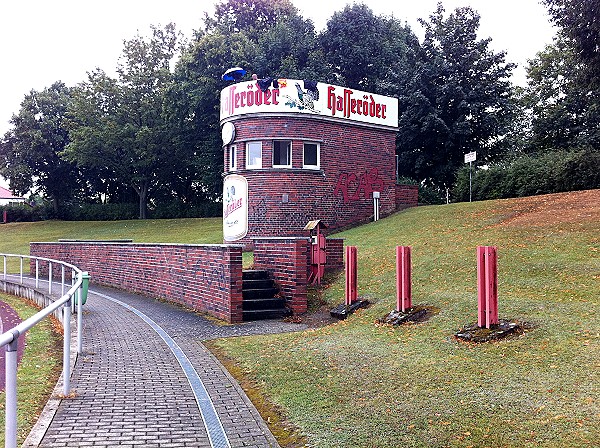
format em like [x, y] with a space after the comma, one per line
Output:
[43, 41]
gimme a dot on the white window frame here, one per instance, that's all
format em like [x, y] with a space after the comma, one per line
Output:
[233, 158]
[249, 146]
[318, 165]
[289, 148]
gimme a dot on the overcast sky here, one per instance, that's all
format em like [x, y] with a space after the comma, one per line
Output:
[43, 41]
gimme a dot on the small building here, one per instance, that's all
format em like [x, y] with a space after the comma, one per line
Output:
[8, 198]
[299, 150]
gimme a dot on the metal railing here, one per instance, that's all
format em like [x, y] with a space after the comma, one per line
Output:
[77, 290]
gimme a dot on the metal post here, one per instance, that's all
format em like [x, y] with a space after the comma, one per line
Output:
[487, 286]
[62, 280]
[10, 425]
[83, 291]
[491, 280]
[49, 277]
[481, 286]
[351, 275]
[403, 278]
[470, 180]
[37, 273]
[4, 267]
[376, 195]
[67, 347]
[21, 258]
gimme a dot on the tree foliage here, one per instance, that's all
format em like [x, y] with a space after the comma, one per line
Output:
[580, 24]
[29, 152]
[119, 125]
[458, 101]
[563, 93]
[367, 52]
[563, 112]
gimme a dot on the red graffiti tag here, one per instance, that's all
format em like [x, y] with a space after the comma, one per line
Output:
[351, 186]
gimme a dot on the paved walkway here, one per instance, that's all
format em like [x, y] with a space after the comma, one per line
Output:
[145, 379]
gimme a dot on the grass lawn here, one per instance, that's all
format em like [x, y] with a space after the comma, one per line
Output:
[360, 384]
[38, 371]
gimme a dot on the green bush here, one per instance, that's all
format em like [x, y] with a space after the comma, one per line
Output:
[26, 212]
[528, 175]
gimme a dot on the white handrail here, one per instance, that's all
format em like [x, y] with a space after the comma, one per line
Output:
[10, 338]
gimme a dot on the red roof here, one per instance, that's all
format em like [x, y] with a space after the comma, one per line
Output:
[7, 194]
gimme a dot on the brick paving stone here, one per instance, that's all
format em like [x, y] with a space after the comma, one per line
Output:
[131, 390]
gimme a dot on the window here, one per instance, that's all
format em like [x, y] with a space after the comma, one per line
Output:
[282, 153]
[253, 155]
[232, 158]
[311, 156]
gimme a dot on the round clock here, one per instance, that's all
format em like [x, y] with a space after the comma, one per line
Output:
[228, 133]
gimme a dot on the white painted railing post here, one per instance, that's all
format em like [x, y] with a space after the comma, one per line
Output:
[67, 348]
[10, 424]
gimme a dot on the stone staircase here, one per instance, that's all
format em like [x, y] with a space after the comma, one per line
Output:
[260, 297]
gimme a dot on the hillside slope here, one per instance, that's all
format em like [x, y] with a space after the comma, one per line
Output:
[360, 384]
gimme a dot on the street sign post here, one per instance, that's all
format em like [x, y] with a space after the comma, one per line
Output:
[470, 157]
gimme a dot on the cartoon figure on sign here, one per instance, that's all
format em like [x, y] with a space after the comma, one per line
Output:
[306, 98]
[230, 195]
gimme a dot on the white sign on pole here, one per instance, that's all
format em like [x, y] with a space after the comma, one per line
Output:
[235, 207]
[470, 157]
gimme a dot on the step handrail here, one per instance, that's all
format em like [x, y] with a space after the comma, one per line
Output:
[9, 339]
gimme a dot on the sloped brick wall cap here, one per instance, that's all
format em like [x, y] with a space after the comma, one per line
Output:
[137, 244]
[282, 238]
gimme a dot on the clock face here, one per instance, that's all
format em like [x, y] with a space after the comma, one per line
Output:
[228, 133]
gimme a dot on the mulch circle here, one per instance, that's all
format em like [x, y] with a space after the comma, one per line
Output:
[9, 319]
[504, 329]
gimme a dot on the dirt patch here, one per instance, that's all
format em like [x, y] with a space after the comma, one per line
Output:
[414, 314]
[504, 329]
[569, 207]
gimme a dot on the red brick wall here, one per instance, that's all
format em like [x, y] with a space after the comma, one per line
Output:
[205, 278]
[355, 160]
[335, 253]
[287, 261]
[406, 196]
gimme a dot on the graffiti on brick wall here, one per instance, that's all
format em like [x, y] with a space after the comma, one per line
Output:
[351, 185]
[212, 276]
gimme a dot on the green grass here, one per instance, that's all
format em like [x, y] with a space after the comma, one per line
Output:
[15, 237]
[360, 384]
[38, 371]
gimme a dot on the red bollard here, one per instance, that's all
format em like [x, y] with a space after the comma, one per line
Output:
[351, 275]
[403, 278]
[487, 286]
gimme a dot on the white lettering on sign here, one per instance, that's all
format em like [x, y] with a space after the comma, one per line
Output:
[470, 157]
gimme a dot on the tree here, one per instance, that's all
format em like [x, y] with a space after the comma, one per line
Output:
[562, 110]
[252, 17]
[564, 79]
[368, 52]
[458, 101]
[580, 24]
[29, 152]
[119, 124]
